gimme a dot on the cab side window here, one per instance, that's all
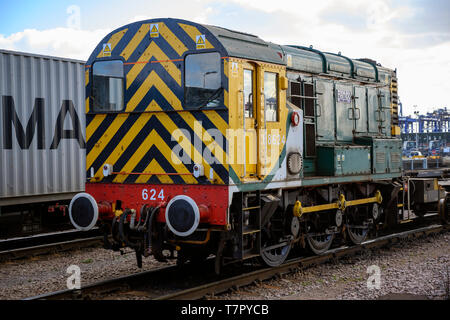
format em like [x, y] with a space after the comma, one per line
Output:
[271, 97]
[248, 93]
[203, 80]
[107, 86]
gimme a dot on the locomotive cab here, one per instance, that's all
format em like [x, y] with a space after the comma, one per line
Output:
[175, 114]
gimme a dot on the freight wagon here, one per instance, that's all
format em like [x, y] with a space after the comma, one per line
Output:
[42, 144]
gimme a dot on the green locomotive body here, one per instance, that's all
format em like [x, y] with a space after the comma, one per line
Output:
[290, 146]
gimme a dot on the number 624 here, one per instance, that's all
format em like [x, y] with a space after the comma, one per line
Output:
[150, 194]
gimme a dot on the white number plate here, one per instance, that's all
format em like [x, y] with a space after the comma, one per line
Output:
[152, 194]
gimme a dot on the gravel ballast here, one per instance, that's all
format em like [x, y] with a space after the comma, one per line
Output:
[417, 269]
[34, 276]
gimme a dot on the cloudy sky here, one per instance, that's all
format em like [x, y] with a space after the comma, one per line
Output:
[410, 35]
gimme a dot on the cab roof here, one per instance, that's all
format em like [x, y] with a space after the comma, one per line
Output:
[237, 44]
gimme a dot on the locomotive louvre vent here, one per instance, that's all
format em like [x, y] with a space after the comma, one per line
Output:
[310, 139]
[309, 103]
[381, 157]
[395, 157]
[295, 94]
[294, 163]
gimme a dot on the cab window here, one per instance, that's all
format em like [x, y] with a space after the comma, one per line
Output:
[270, 95]
[203, 81]
[248, 93]
[107, 86]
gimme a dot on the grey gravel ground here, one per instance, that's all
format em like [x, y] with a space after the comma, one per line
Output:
[418, 269]
[25, 278]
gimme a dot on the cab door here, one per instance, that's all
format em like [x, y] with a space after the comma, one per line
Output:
[271, 119]
[373, 110]
[385, 111]
[264, 132]
[249, 100]
[360, 112]
[344, 112]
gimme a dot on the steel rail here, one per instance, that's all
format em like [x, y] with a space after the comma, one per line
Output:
[296, 265]
[45, 238]
[137, 280]
[104, 286]
[20, 253]
[17, 248]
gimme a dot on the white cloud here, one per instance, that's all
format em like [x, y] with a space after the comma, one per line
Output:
[305, 8]
[357, 28]
[422, 59]
[61, 42]
[202, 16]
[423, 74]
[139, 18]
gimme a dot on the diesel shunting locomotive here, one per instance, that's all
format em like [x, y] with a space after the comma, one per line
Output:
[209, 141]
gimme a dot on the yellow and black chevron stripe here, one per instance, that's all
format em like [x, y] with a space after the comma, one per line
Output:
[394, 105]
[138, 141]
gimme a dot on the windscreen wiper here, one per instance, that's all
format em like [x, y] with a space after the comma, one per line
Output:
[211, 98]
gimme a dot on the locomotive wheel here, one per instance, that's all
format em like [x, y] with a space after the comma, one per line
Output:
[444, 209]
[357, 234]
[275, 243]
[420, 213]
[275, 255]
[319, 243]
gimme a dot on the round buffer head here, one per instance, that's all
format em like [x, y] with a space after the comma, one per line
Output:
[83, 211]
[182, 215]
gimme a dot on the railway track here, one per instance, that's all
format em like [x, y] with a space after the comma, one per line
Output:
[192, 282]
[23, 247]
